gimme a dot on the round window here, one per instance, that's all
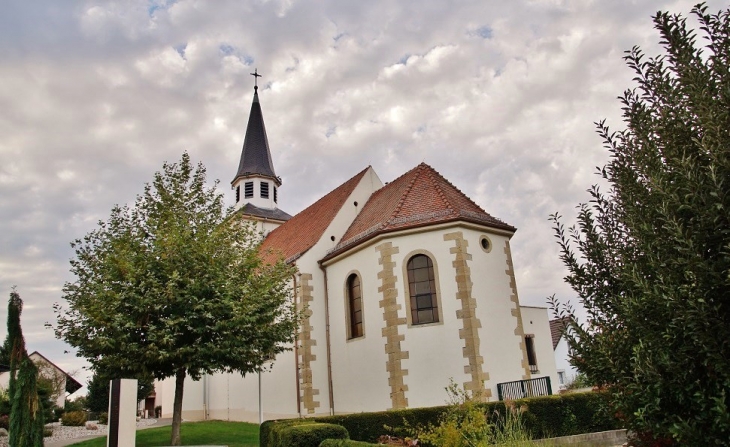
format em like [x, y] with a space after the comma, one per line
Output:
[485, 243]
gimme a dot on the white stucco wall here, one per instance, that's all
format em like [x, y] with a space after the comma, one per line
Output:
[309, 264]
[536, 321]
[562, 362]
[435, 351]
[234, 397]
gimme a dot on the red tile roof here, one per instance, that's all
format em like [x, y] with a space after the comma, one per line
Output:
[556, 329]
[295, 237]
[419, 197]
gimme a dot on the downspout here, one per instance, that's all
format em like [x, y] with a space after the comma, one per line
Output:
[296, 353]
[327, 332]
[205, 397]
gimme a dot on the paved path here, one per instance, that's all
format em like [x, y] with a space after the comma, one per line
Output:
[65, 442]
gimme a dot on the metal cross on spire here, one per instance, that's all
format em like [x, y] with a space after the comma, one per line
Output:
[256, 77]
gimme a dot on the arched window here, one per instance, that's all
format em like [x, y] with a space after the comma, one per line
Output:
[354, 301]
[422, 290]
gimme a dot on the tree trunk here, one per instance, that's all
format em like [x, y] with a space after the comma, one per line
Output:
[177, 407]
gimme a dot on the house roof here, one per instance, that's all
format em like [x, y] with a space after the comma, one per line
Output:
[264, 213]
[295, 237]
[418, 198]
[72, 385]
[255, 155]
[557, 326]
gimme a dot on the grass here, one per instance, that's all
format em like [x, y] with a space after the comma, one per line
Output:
[233, 434]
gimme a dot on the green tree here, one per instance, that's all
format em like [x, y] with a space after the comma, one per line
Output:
[97, 399]
[174, 286]
[649, 258]
[26, 412]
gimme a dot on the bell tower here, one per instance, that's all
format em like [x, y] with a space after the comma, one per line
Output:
[256, 184]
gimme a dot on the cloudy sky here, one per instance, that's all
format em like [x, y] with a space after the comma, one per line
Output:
[500, 97]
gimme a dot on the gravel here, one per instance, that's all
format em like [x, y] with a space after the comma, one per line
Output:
[61, 432]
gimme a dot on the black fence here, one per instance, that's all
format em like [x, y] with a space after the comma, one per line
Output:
[524, 388]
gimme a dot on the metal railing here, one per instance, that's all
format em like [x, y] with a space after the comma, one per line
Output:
[524, 388]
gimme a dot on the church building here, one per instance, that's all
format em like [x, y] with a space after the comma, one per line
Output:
[407, 285]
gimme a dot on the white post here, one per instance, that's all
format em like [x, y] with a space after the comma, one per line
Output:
[122, 413]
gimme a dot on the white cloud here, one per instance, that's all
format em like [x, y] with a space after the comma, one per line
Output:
[498, 97]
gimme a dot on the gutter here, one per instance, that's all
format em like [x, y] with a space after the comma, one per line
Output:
[296, 353]
[329, 349]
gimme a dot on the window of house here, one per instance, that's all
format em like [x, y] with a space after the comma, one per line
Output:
[248, 190]
[531, 357]
[275, 195]
[238, 193]
[561, 377]
[422, 290]
[354, 301]
[264, 190]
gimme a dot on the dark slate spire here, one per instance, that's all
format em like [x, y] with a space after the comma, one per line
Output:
[255, 156]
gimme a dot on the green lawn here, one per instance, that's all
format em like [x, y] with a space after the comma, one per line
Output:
[233, 434]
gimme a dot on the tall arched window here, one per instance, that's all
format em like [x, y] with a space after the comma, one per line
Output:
[422, 288]
[354, 300]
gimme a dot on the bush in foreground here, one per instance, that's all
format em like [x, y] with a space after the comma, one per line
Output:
[310, 435]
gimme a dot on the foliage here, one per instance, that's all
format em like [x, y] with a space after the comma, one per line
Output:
[73, 418]
[5, 350]
[465, 424]
[175, 286]
[649, 258]
[78, 404]
[104, 418]
[26, 412]
[52, 380]
[270, 431]
[5, 421]
[309, 435]
[579, 381]
[344, 443]
[97, 397]
[370, 426]
[46, 396]
[232, 434]
[543, 417]
[4, 402]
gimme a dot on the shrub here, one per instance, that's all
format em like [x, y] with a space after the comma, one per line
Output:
[310, 435]
[344, 443]
[4, 402]
[370, 426]
[104, 418]
[543, 417]
[269, 433]
[47, 431]
[73, 419]
[5, 421]
[57, 413]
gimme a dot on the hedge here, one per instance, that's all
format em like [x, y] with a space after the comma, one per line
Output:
[310, 435]
[546, 416]
[270, 430]
[345, 443]
[370, 426]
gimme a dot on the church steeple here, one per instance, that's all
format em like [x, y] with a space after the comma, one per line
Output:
[256, 183]
[256, 156]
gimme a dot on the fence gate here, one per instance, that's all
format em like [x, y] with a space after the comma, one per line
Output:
[524, 388]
